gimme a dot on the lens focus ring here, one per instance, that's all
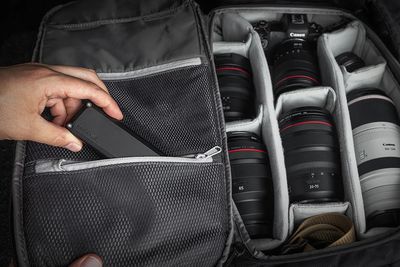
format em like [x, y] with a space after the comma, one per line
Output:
[311, 155]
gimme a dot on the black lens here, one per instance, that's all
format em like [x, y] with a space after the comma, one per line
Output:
[376, 133]
[252, 188]
[294, 66]
[350, 61]
[235, 83]
[311, 155]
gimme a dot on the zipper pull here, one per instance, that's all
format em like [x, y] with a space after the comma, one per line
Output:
[210, 153]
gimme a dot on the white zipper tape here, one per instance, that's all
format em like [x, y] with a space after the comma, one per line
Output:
[70, 165]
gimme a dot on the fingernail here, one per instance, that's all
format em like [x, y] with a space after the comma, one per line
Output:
[91, 261]
[121, 116]
[74, 147]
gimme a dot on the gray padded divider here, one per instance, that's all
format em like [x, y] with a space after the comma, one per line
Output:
[354, 39]
[332, 75]
[273, 142]
[265, 123]
[323, 97]
[299, 212]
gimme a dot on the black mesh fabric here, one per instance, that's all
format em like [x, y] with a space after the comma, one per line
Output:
[160, 214]
[137, 214]
[173, 111]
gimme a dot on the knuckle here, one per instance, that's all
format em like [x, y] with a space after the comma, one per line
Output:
[41, 71]
[94, 76]
[60, 139]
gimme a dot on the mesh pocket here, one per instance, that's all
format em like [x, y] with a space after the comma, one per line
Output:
[174, 111]
[142, 214]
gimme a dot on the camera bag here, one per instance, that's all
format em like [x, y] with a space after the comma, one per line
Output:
[156, 59]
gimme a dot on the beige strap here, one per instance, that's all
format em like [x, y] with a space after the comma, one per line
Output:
[320, 231]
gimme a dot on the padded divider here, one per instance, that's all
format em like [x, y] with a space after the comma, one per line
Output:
[369, 76]
[265, 124]
[299, 212]
[323, 97]
[354, 39]
[273, 142]
[332, 76]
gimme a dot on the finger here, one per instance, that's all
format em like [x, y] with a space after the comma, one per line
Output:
[81, 73]
[57, 110]
[89, 260]
[67, 86]
[46, 132]
[72, 105]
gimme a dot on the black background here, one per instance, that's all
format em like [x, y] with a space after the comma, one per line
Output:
[19, 21]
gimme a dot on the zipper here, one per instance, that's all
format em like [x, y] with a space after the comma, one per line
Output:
[62, 165]
[138, 73]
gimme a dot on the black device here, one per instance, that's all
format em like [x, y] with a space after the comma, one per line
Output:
[236, 86]
[350, 61]
[311, 155]
[252, 187]
[107, 135]
[290, 26]
[292, 51]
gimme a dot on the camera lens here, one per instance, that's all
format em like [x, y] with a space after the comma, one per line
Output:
[376, 134]
[294, 66]
[236, 87]
[252, 188]
[350, 61]
[311, 155]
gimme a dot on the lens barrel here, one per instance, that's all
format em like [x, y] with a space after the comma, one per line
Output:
[252, 188]
[311, 155]
[376, 133]
[236, 86]
[350, 61]
[295, 66]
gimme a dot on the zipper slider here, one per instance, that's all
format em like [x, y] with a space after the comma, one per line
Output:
[210, 153]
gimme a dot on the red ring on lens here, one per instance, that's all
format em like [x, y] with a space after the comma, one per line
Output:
[306, 122]
[247, 150]
[234, 69]
[297, 77]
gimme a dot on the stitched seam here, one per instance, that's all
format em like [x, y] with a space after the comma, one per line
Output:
[150, 17]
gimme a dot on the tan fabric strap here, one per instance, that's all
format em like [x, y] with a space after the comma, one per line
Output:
[320, 231]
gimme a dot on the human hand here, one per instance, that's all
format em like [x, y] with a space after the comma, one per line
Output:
[88, 260]
[27, 89]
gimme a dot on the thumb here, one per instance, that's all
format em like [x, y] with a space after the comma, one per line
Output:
[51, 134]
[89, 260]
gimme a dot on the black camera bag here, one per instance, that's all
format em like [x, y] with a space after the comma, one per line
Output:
[156, 58]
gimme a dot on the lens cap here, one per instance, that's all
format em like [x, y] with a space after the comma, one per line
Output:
[350, 61]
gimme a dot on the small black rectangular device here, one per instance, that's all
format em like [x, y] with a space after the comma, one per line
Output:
[106, 135]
